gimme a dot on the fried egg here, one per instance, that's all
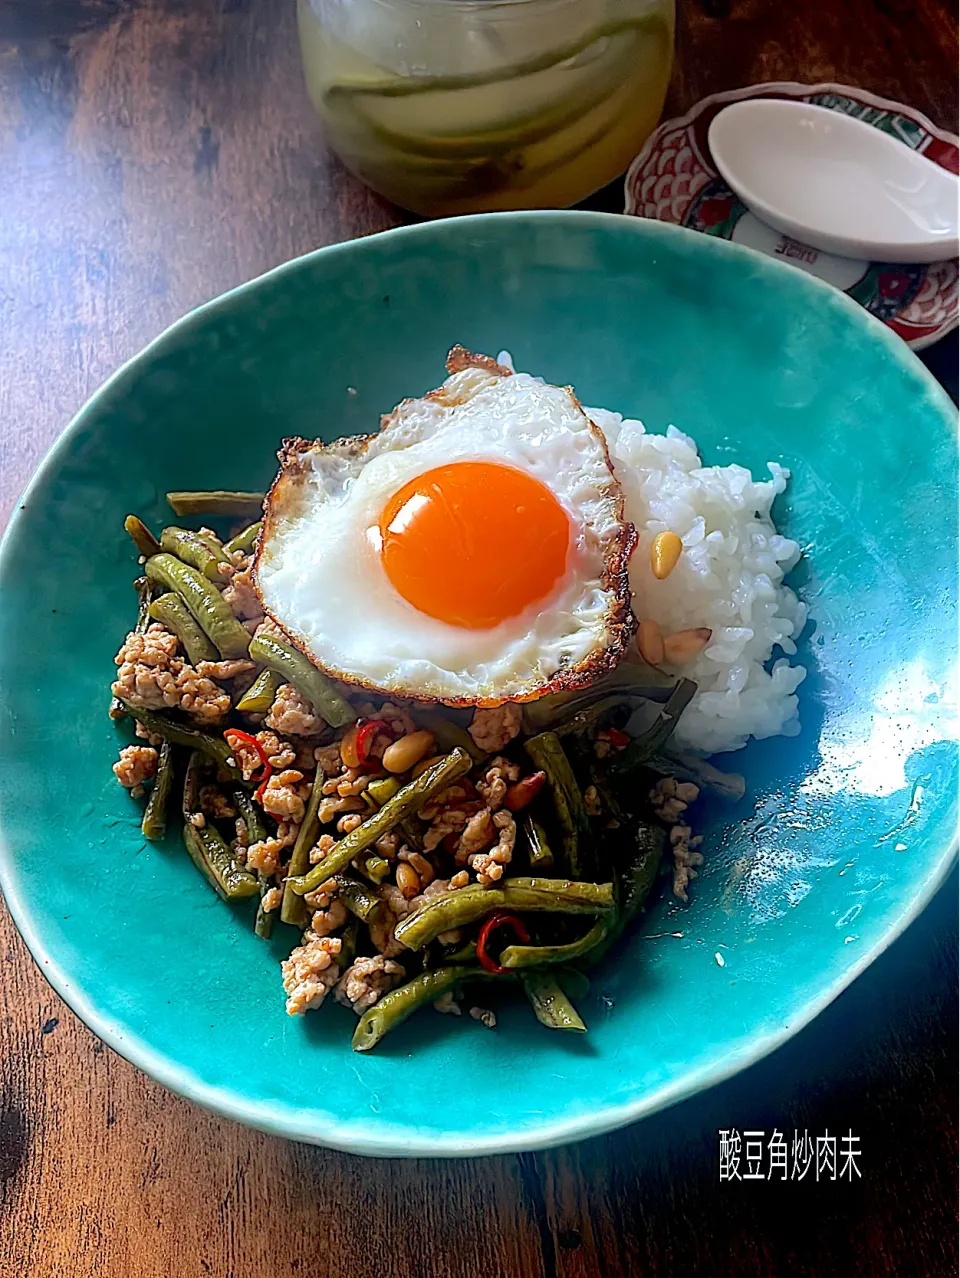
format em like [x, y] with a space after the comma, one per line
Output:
[474, 551]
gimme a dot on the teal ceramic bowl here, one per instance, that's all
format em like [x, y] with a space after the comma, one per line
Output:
[845, 831]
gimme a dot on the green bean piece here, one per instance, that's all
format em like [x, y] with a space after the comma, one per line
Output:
[195, 550]
[207, 849]
[687, 767]
[198, 857]
[406, 802]
[259, 697]
[395, 1006]
[141, 536]
[375, 868]
[635, 882]
[348, 944]
[263, 923]
[226, 502]
[632, 679]
[245, 540]
[204, 601]
[538, 845]
[192, 778]
[292, 909]
[250, 814]
[576, 836]
[357, 898]
[295, 668]
[590, 716]
[610, 805]
[449, 735]
[144, 588]
[468, 904]
[382, 789]
[212, 542]
[146, 591]
[648, 743]
[551, 955]
[179, 734]
[640, 875]
[252, 819]
[256, 832]
[550, 1005]
[235, 883]
[154, 823]
[172, 612]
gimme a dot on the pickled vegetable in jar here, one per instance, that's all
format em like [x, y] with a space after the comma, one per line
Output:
[458, 106]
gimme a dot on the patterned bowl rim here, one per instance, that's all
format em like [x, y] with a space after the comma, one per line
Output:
[791, 88]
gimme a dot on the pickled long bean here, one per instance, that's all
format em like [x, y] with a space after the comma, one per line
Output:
[250, 814]
[172, 612]
[404, 803]
[295, 668]
[207, 847]
[197, 855]
[205, 602]
[468, 904]
[550, 1004]
[192, 549]
[375, 868]
[245, 540]
[358, 899]
[292, 908]
[539, 853]
[449, 735]
[221, 501]
[258, 698]
[394, 1007]
[517, 956]
[154, 823]
[236, 883]
[256, 831]
[635, 882]
[576, 836]
[641, 748]
[179, 734]
[141, 536]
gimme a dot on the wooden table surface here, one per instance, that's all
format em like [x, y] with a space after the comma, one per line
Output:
[152, 154]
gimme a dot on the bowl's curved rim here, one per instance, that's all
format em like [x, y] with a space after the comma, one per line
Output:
[374, 1138]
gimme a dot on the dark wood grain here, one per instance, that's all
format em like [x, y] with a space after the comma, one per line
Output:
[152, 154]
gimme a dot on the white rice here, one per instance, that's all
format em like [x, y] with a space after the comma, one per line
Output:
[729, 577]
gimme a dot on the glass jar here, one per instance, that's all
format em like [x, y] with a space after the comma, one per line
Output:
[455, 106]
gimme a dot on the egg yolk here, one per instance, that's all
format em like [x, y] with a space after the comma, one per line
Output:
[473, 543]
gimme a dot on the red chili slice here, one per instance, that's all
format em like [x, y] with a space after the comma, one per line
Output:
[267, 774]
[365, 735]
[493, 924]
[619, 740]
[248, 740]
[523, 792]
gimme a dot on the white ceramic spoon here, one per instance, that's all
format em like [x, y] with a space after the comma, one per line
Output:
[834, 182]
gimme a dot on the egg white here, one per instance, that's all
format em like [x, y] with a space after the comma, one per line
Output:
[319, 574]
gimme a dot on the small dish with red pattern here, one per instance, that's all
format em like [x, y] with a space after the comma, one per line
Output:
[674, 179]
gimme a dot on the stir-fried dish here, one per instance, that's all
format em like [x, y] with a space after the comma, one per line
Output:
[466, 771]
